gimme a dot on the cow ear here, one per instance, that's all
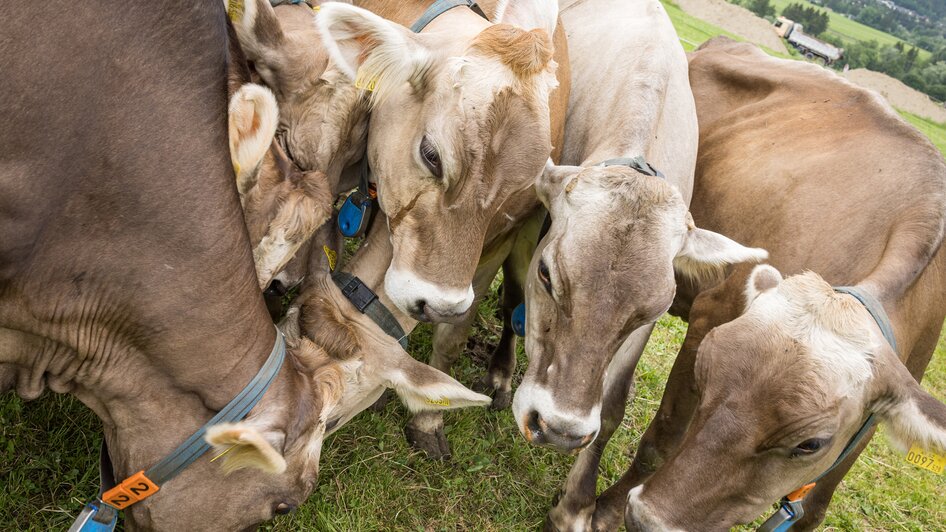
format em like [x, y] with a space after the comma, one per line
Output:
[376, 53]
[913, 416]
[242, 446]
[762, 279]
[253, 117]
[705, 254]
[553, 178]
[261, 37]
[422, 387]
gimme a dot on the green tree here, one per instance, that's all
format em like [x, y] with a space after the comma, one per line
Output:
[815, 21]
[762, 8]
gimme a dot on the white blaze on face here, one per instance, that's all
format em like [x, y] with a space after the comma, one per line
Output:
[411, 293]
[531, 398]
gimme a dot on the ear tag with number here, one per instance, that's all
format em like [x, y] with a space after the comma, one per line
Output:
[519, 320]
[354, 214]
[926, 459]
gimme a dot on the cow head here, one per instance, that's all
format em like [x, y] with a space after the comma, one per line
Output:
[268, 463]
[322, 116]
[605, 268]
[282, 205]
[459, 122]
[782, 390]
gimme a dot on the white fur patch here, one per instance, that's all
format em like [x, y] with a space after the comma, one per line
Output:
[405, 289]
[531, 397]
[253, 116]
[643, 513]
[908, 425]
[245, 447]
[528, 14]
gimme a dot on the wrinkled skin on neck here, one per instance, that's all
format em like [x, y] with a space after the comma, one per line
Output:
[130, 222]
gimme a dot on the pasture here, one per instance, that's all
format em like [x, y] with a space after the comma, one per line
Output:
[371, 480]
[847, 29]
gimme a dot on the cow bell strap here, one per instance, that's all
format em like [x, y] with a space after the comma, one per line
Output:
[101, 515]
[791, 508]
[367, 302]
[637, 163]
[439, 8]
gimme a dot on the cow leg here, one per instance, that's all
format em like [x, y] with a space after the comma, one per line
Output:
[498, 379]
[576, 506]
[425, 430]
[679, 402]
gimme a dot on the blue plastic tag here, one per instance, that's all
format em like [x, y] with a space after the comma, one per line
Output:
[519, 320]
[90, 519]
[354, 215]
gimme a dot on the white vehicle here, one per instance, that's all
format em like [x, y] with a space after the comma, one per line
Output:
[809, 46]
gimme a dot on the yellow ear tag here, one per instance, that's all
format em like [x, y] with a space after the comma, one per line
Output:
[235, 10]
[439, 402]
[316, 8]
[365, 82]
[331, 256]
[926, 459]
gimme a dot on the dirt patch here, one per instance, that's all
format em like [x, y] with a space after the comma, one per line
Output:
[899, 95]
[736, 20]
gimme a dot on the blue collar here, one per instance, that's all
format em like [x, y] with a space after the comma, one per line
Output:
[102, 515]
[791, 508]
[439, 8]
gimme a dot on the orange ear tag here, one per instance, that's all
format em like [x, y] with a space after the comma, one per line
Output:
[133, 489]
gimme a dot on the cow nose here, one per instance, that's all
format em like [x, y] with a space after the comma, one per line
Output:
[541, 433]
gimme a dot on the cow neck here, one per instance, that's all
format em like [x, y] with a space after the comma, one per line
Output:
[408, 13]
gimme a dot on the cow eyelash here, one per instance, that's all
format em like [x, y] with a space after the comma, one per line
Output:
[545, 276]
[431, 158]
[809, 447]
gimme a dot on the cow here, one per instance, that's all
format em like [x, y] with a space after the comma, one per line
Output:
[321, 132]
[604, 272]
[781, 372]
[460, 122]
[117, 193]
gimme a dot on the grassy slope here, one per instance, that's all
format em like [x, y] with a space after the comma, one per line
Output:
[372, 481]
[846, 28]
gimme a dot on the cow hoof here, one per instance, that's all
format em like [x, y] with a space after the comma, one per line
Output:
[434, 444]
[382, 402]
[502, 399]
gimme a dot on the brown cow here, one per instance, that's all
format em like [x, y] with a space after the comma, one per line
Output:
[828, 178]
[116, 194]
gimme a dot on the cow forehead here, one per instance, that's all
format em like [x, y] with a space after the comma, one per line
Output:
[833, 329]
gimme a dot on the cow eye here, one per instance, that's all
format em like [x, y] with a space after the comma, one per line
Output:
[809, 446]
[282, 508]
[544, 276]
[431, 158]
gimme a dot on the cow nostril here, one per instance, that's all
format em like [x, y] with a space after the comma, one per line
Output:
[421, 305]
[283, 508]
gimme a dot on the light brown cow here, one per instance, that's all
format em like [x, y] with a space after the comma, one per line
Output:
[605, 271]
[322, 124]
[828, 178]
[460, 123]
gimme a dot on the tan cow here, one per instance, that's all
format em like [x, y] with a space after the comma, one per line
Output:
[321, 126]
[605, 270]
[828, 178]
[460, 123]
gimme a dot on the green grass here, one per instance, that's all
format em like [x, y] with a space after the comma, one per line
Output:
[371, 480]
[694, 31]
[934, 130]
[847, 29]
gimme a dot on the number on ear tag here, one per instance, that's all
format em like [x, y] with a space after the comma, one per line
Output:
[926, 459]
[519, 320]
[354, 214]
